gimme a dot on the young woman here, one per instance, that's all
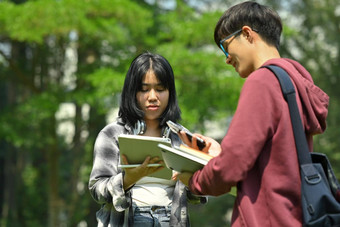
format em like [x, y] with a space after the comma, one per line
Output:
[129, 197]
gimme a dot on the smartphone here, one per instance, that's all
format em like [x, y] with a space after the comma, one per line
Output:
[176, 128]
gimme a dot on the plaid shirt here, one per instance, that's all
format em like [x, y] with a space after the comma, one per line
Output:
[106, 182]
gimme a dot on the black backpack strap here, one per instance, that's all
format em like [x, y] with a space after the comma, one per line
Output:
[288, 91]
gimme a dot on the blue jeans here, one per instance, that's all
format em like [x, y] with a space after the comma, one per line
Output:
[146, 216]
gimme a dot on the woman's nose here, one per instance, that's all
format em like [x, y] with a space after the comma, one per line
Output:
[152, 94]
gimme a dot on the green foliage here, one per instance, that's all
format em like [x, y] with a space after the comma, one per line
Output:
[32, 115]
[105, 85]
[112, 20]
[33, 195]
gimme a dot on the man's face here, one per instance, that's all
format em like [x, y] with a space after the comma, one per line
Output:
[240, 53]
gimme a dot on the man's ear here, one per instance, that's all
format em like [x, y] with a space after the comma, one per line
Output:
[248, 33]
[250, 38]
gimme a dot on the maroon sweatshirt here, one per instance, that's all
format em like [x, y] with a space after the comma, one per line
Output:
[258, 152]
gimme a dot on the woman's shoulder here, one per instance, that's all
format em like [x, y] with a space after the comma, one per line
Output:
[115, 128]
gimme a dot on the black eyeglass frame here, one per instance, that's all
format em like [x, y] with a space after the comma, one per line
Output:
[228, 37]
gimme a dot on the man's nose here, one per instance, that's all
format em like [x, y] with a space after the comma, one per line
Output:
[228, 59]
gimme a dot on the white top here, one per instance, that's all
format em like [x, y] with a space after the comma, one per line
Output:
[150, 191]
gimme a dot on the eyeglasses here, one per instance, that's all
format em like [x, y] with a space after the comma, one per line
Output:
[228, 37]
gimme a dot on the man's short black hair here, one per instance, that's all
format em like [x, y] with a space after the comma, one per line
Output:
[260, 18]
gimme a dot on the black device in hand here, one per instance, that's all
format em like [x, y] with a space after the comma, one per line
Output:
[176, 128]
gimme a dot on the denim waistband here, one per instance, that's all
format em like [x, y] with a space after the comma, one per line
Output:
[154, 209]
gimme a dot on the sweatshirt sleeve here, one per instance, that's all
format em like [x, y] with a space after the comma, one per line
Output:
[253, 124]
[106, 179]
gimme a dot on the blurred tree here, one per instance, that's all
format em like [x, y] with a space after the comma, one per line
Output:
[50, 52]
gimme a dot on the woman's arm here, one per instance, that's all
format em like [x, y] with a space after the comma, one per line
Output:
[106, 179]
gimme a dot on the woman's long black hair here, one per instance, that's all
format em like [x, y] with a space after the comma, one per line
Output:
[129, 110]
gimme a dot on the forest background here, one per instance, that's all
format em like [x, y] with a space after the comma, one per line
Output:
[62, 67]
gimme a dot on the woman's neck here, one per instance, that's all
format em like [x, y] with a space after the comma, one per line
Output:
[152, 128]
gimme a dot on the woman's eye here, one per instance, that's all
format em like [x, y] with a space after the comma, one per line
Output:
[144, 89]
[160, 88]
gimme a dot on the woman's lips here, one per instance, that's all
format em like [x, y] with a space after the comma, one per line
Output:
[152, 107]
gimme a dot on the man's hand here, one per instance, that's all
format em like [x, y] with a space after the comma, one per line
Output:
[184, 177]
[212, 146]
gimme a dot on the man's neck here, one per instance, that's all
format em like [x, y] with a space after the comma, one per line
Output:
[265, 53]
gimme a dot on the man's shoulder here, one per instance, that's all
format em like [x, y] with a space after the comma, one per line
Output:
[262, 84]
[262, 77]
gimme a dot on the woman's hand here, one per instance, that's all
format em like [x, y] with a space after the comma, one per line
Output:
[132, 175]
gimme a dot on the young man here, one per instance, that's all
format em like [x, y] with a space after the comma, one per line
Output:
[258, 153]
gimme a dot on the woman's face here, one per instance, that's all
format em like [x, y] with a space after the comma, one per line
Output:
[153, 97]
